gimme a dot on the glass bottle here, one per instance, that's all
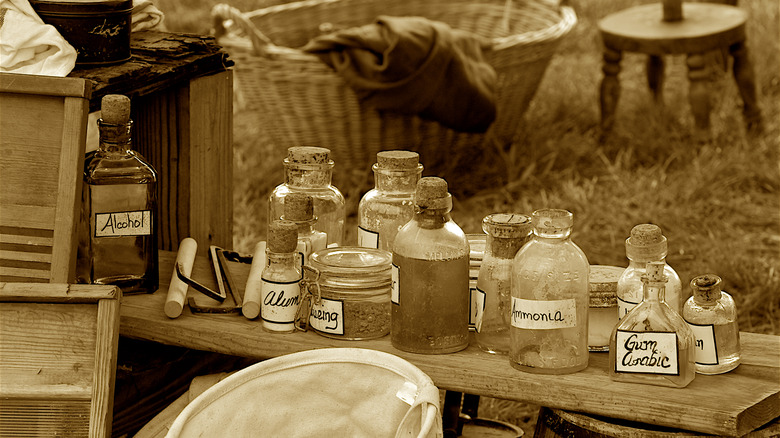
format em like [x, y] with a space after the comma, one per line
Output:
[549, 332]
[652, 344]
[712, 315]
[646, 244]
[309, 170]
[602, 314]
[430, 294]
[280, 293]
[118, 229]
[387, 207]
[299, 209]
[506, 234]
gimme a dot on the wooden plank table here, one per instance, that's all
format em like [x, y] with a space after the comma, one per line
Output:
[731, 404]
[181, 89]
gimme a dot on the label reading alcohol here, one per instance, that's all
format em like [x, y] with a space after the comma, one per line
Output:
[624, 307]
[477, 308]
[327, 316]
[646, 352]
[280, 301]
[543, 315]
[395, 272]
[706, 349]
[123, 223]
[367, 238]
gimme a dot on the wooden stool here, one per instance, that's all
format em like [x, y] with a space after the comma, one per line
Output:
[692, 29]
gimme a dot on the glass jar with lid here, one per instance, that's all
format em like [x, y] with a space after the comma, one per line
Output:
[349, 290]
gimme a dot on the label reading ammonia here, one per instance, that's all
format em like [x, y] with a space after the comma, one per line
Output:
[706, 348]
[543, 315]
[124, 223]
[327, 316]
[367, 238]
[646, 352]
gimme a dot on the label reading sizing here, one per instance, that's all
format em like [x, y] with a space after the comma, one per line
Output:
[327, 316]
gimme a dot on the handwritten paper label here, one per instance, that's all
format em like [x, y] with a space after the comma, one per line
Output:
[367, 238]
[124, 223]
[646, 352]
[624, 307]
[394, 291]
[477, 308]
[706, 349]
[543, 315]
[280, 301]
[327, 316]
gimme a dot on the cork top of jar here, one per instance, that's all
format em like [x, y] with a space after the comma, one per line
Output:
[646, 242]
[397, 159]
[308, 155]
[432, 193]
[602, 282]
[282, 236]
[115, 109]
[507, 225]
[552, 222]
[298, 207]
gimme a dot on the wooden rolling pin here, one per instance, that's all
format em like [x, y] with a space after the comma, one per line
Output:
[177, 291]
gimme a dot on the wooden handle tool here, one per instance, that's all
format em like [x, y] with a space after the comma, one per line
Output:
[251, 305]
[177, 291]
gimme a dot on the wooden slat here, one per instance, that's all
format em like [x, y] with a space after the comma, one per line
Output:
[106, 344]
[27, 256]
[56, 293]
[45, 85]
[46, 391]
[44, 417]
[31, 274]
[28, 216]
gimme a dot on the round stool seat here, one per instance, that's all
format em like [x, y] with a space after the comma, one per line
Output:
[705, 26]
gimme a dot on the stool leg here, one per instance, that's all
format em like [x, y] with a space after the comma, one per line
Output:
[610, 87]
[655, 77]
[746, 82]
[698, 93]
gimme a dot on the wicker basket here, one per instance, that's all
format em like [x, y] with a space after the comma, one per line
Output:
[299, 100]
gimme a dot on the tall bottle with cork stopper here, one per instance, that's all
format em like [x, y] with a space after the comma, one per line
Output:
[387, 207]
[299, 209]
[118, 224]
[430, 289]
[652, 344]
[280, 293]
[712, 315]
[646, 244]
[309, 170]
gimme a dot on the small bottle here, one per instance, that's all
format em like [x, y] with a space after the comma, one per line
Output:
[387, 207]
[299, 209]
[602, 314]
[549, 332]
[506, 234]
[712, 315]
[118, 230]
[652, 344]
[646, 244]
[280, 291]
[309, 170]
[430, 294]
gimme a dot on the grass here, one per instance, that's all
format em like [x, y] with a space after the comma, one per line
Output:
[717, 199]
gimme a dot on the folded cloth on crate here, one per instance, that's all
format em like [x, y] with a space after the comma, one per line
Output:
[28, 45]
[414, 65]
[146, 16]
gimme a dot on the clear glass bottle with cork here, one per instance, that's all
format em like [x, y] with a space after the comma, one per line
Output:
[549, 323]
[309, 170]
[506, 234]
[299, 209]
[646, 244]
[280, 293]
[712, 315]
[652, 344]
[118, 225]
[387, 207]
[430, 293]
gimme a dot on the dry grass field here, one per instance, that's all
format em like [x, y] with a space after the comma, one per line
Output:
[717, 199]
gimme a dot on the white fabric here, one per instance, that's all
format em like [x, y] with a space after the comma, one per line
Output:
[146, 16]
[28, 45]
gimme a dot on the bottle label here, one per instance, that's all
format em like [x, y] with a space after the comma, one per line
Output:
[280, 301]
[646, 352]
[477, 308]
[327, 316]
[123, 223]
[395, 273]
[543, 315]
[367, 238]
[706, 348]
[624, 307]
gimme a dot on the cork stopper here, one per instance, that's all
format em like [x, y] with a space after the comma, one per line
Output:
[432, 193]
[646, 243]
[655, 272]
[115, 109]
[552, 222]
[706, 288]
[282, 236]
[397, 159]
[602, 282]
[508, 232]
[298, 207]
[308, 155]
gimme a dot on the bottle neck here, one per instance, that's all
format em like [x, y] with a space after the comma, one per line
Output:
[502, 247]
[308, 175]
[282, 259]
[432, 218]
[397, 180]
[655, 291]
[115, 139]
